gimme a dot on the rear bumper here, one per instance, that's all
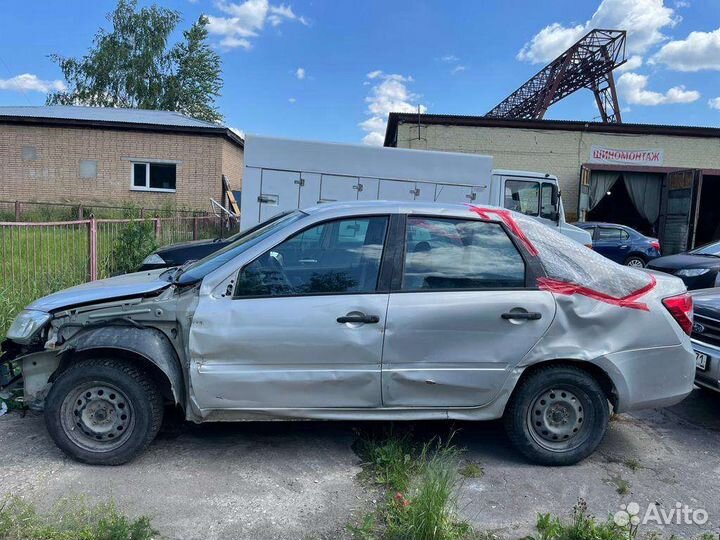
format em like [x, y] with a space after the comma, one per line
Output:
[651, 378]
[709, 377]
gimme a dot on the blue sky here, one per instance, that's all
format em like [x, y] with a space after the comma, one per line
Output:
[332, 69]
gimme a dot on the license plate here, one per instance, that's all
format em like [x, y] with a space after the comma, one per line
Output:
[701, 360]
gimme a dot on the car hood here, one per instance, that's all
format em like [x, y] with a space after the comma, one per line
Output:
[125, 286]
[707, 302]
[684, 260]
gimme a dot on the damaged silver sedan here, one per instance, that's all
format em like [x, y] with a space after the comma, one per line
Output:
[372, 310]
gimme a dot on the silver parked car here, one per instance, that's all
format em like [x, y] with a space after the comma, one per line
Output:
[366, 310]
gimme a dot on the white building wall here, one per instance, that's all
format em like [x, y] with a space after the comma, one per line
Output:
[554, 151]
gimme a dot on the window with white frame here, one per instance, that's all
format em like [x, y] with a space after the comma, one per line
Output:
[151, 176]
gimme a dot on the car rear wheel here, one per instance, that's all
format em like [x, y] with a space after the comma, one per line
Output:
[635, 261]
[557, 416]
[103, 411]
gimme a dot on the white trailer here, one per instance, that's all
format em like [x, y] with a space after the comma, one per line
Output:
[283, 174]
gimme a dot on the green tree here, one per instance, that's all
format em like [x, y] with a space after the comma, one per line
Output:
[132, 65]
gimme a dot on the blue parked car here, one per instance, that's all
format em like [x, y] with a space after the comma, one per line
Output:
[622, 244]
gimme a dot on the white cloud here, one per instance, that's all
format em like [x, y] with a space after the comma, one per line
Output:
[632, 87]
[450, 58]
[300, 73]
[632, 64]
[292, 100]
[457, 69]
[699, 51]
[245, 20]
[714, 103]
[643, 20]
[388, 94]
[29, 82]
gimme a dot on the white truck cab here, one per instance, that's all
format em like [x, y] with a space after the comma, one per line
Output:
[282, 174]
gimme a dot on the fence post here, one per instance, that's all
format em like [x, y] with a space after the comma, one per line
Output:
[158, 228]
[80, 212]
[92, 248]
[142, 213]
[18, 206]
[195, 228]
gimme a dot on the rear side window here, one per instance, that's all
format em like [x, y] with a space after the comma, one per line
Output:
[612, 233]
[341, 256]
[445, 254]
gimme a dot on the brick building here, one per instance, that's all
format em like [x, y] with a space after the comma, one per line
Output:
[662, 180]
[115, 156]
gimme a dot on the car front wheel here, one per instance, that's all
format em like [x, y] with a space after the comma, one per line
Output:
[103, 411]
[557, 416]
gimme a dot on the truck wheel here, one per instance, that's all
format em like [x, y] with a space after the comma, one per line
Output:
[103, 411]
[635, 261]
[557, 416]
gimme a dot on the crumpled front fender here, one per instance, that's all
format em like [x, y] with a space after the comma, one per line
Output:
[149, 343]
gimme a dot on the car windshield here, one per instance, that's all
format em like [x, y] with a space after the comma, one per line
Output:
[199, 269]
[709, 250]
[237, 236]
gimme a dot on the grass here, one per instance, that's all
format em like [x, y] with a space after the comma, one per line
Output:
[581, 526]
[420, 482]
[471, 470]
[632, 464]
[70, 519]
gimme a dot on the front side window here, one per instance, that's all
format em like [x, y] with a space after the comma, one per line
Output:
[154, 176]
[522, 196]
[334, 257]
[460, 254]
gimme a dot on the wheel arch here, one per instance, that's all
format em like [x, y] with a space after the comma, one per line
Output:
[148, 346]
[603, 378]
[638, 254]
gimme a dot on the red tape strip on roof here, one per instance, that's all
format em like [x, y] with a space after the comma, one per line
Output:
[629, 301]
[506, 217]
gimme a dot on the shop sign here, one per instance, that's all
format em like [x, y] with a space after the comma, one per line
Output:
[617, 156]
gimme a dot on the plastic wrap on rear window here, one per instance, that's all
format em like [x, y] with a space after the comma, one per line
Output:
[568, 261]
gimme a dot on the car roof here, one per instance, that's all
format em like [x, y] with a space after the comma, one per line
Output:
[393, 207]
[603, 224]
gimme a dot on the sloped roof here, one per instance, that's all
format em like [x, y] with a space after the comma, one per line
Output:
[112, 118]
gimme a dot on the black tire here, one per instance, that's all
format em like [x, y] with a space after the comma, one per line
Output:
[563, 394]
[103, 411]
[635, 261]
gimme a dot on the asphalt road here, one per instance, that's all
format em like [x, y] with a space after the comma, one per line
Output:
[298, 479]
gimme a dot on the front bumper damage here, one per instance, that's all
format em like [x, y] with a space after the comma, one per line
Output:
[9, 368]
[31, 371]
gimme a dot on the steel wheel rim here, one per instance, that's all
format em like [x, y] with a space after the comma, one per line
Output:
[558, 419]
[97, 417]
[636, 263]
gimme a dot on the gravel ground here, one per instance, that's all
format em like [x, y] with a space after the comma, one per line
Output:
[298, 479]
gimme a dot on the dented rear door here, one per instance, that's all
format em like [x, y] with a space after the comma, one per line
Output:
[461, 317]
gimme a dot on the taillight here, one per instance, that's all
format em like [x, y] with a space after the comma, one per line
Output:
[681, 308]
[656, 245]
[588, 246]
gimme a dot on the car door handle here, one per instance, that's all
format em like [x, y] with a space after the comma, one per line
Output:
[525, 315]
[361, 318]
[308, 261]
